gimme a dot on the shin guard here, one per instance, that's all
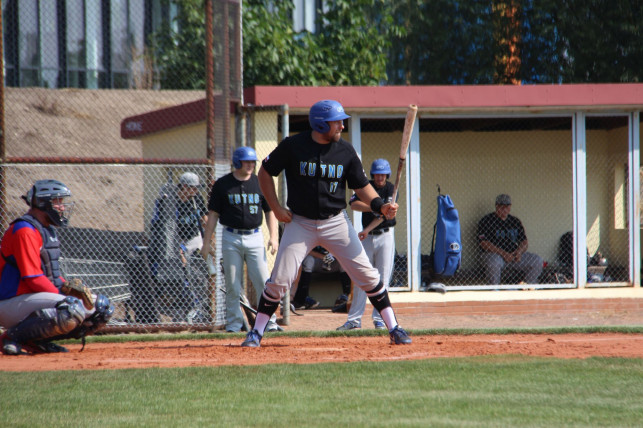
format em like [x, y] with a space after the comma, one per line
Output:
[379, 297]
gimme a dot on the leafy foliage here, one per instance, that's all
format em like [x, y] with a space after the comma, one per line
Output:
[179, 48]
[372, 42]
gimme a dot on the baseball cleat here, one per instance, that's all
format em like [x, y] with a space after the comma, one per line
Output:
[379, 325]
[310, 303]
[399, 336]
[273, 326]
[9, 347]
[253, 340]
[349, 325]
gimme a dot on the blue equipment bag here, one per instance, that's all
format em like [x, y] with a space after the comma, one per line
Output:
[446, 245]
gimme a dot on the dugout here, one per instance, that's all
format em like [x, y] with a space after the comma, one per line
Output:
[569, 155]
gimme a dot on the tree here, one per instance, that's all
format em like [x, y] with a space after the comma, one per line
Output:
[438, 42]
[349, 49]
[601, 39]
[179, 48]
[551, 41]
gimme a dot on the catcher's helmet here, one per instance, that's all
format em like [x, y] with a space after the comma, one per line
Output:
[243, 154]
[323, 112]
[40, 196]
[380, 166]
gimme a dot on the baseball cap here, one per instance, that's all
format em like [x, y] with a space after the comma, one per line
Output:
[189, 179]
[503, 199]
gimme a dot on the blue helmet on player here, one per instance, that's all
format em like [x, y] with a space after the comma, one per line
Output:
[42, 193]
[323, 112]
[243, 154]
[380, 166]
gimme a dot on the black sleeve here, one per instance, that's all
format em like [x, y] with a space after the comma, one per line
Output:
[483, 229]
[215, 203]
[356, 178]
[277, 160]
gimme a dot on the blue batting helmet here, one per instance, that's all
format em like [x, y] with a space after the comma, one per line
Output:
[380, 166]
[243, 154]
[323, 112]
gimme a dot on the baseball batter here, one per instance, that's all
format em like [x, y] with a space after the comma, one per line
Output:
[379, 244]
[319, 165]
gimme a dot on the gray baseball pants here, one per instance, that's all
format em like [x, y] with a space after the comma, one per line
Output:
[380, 250]
[336, 235]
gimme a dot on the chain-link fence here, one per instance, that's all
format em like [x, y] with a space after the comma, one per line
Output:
[473, 160]
[531, 159]
[120, 141]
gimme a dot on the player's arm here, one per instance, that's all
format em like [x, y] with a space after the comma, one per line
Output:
[357, 205]
[375, 203]
[273, 231]
[210, 224]
[33, 279]
[267, 186]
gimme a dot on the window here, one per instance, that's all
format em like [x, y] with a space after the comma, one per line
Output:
[76, 64]
[94, 45]
[120, 50]
[28, 46]
[50, 64]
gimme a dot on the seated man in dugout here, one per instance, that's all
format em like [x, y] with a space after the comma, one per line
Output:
[504, 243]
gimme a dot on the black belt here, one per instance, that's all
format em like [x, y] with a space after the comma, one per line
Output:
[242, 231]
[327, 216]
[379, 231]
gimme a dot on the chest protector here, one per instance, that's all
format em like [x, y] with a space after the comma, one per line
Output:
[50, 251]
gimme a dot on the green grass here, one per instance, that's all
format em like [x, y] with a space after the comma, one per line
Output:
[511, 391]
[489, 391]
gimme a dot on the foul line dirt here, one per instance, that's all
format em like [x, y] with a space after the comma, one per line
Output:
[219, 352]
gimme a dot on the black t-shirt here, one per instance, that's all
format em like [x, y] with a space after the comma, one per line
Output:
[386, 193]
[506, 235]
[238, 203]
[188, 217]
[316, 174]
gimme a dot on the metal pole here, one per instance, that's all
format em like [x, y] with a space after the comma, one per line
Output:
[3, 198]
[285, 131]
[209, 108]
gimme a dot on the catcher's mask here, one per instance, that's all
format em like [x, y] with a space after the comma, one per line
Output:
[48, 196]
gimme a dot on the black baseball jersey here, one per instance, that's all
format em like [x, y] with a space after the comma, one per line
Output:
[386, 193]
[188, 217]
[316, 174]
[238, 203]
[506, 235]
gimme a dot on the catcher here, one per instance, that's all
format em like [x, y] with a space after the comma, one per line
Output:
[37, 306]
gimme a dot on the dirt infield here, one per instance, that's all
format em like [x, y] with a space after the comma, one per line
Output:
[275, 349]
[281, 349]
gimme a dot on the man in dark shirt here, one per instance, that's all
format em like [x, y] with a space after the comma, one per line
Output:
[502, 238]
[175, 239]
[237, 203]
[319, 165]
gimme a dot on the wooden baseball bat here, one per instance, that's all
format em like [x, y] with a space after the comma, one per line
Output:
[411, 113]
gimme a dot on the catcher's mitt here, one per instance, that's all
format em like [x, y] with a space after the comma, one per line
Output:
[75, 288]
